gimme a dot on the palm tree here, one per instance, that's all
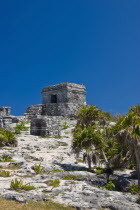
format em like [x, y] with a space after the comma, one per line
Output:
[87, 134]
[89, 140]
[128, 133]
[90, 115]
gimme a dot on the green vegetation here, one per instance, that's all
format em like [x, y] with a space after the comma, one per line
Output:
[109, 186]
[89, 134]
[138, 200]
[42, 137]
[6, 158]
[127, 136]
[20, 127]
[49, 205]
[67, 132]
[62, 143]
[4, 173]
[79, 161]
[7, 138]
[134, 189]
[54, 183]
[65, 126]
[38, 169]
[54, 171]
[99, 171]
[71, 177]
[15, 167]
[118, 145]
[18, 185]
[57, 137]
[107, 195]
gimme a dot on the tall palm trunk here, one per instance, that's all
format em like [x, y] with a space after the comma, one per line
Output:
[105, 158]
[137, 154]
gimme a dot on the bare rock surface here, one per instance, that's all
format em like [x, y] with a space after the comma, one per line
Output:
[58, 162]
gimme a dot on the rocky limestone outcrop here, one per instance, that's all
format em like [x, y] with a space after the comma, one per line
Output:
[58, 163]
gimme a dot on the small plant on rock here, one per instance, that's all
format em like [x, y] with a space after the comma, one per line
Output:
[107, 195]
[21, 127]
[99, 171]
[18, 185]
[79, 161]
[71, 177]
[6, 158]
[54, 183]
[38, 169]
[57, 137]
[65, 126]
[134, 189]
[109, 186]
[4, 173]
[7, 138]
[138, 200]
[54, 171]
[62, 143]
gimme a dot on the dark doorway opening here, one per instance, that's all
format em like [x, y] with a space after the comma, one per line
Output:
[38, 129]
[54, 98]
[7, 111]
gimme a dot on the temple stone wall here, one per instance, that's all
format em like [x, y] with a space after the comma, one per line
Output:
[67, 110]
[45, 126]
[34, 110]
[64, 99]
[5, 111]
[65, 92]
[58, 101]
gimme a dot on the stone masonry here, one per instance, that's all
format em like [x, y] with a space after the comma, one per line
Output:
[45, 126]
[62, 100]
[5, 111]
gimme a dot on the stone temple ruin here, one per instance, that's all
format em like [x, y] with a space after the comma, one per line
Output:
[5, 111]
[59, 102]
[6, 119]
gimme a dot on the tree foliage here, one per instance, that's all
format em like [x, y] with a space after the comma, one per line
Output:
[7, 138]
[88, 134]
[119, 144]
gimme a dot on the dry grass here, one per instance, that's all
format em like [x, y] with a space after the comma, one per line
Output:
[12, 205]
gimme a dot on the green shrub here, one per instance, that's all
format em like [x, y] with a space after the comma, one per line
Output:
[18, 185]
[79, 161]
[71, 177]
[99, 171]
[4, 173]
[47, 205]
[107, 195]
[67, 132]
[57, 137]
[15, 167]
[54, 171]
[65, 126]
[62, 143]
[54, 183]
[109, 186]
[6, 158]
[38, 169]
[134, 189]
[20, 127]
[138, 200]
[7, 138]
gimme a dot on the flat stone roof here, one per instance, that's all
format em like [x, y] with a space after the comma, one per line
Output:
[64, 86]
[3, 107]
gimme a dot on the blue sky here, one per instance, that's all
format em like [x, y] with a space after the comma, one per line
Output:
[90, 42]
